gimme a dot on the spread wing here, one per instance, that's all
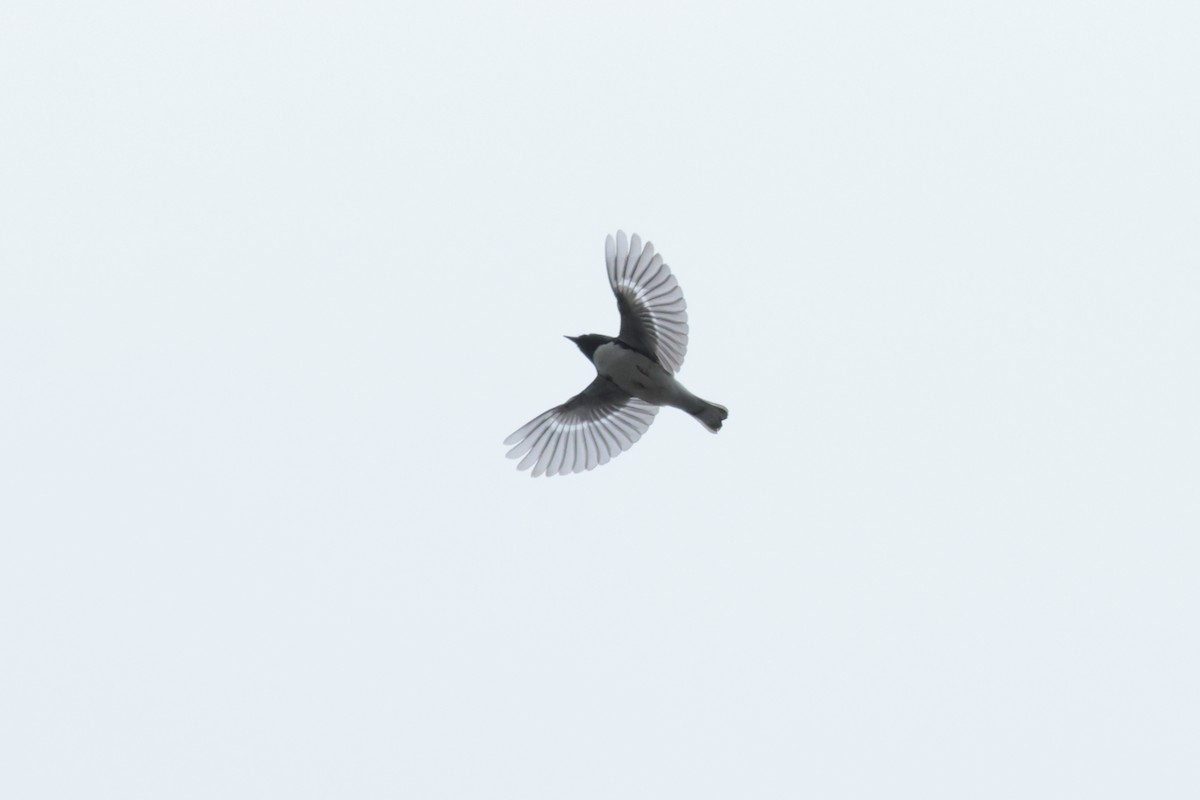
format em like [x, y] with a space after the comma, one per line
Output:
[653, 313]
[591, 428]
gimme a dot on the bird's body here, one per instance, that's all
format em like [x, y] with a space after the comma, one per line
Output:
[645, 379]
[637, 374]
[634, 372]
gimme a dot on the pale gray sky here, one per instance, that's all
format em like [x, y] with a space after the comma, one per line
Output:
[277, 279]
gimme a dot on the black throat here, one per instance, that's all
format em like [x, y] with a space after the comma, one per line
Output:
[588, 343]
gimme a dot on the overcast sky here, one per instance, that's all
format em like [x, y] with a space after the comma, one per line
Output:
[277, 279]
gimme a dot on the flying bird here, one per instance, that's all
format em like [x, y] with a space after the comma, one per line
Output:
[634, 372]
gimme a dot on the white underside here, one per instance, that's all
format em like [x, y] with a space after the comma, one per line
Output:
[638, 375]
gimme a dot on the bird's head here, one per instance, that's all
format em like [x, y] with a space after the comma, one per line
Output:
[588, 342]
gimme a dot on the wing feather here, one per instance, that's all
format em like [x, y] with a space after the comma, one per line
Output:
[653, 311]
[590, 429]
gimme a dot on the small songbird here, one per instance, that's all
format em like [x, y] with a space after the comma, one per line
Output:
[634, 372]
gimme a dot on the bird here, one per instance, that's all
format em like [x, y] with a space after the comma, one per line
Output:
[634, 372]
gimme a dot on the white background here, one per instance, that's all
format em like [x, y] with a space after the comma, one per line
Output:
[276, 279]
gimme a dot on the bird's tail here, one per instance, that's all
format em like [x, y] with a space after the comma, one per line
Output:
[710, 415]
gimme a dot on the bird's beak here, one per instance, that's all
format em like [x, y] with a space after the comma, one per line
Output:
[572, 338]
